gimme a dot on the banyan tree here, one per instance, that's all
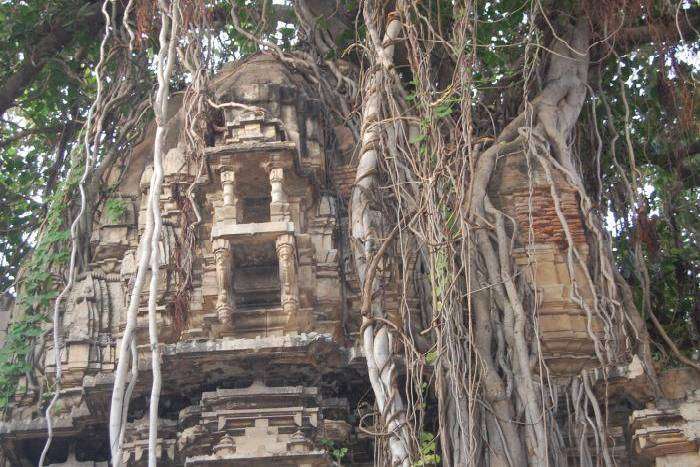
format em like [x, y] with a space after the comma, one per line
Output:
[311, 233]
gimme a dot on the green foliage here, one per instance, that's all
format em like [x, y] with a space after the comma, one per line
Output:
[664, 219]
[337, 452]
[445, 108]
[43, 118]
[499, 36]
[431, 357]
[37, 293]
[427, 450]
[115, 208]
[13, 355]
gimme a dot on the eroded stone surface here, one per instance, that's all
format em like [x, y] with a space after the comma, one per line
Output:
[669, 431]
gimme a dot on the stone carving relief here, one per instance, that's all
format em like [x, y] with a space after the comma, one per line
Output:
[224, 264]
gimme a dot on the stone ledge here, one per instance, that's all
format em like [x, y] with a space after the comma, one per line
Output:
[248, 346]
[260, 230]
[37, 427]
[316, 457]
[668, 428]
[250, 147]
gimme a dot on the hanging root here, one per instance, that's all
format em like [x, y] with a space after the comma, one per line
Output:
[148, 252]
[420, 161]
[474, 333]
[90, 156]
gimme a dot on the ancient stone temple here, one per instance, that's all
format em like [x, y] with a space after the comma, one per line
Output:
[261, 370]
[260, 357]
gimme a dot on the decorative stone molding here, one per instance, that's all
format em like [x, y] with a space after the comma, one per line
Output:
[257, 423]
[230, 208]
[135, 451]
[669, 433]
[564, 327]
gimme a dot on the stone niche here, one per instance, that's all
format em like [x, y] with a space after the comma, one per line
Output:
[88, 345]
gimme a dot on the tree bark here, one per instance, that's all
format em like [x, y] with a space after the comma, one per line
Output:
[377, 339]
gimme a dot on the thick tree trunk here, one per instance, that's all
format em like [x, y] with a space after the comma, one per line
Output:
[367, 227]
[512, 398]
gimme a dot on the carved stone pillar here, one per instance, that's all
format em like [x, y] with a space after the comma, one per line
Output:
[279, 205]
[224, 263]
[230, 209]
[289, 285]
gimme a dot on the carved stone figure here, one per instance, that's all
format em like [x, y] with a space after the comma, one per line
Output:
[286, 255]
[224, 260]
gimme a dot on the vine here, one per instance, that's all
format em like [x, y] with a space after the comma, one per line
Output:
[36, 293]
[114, 209]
